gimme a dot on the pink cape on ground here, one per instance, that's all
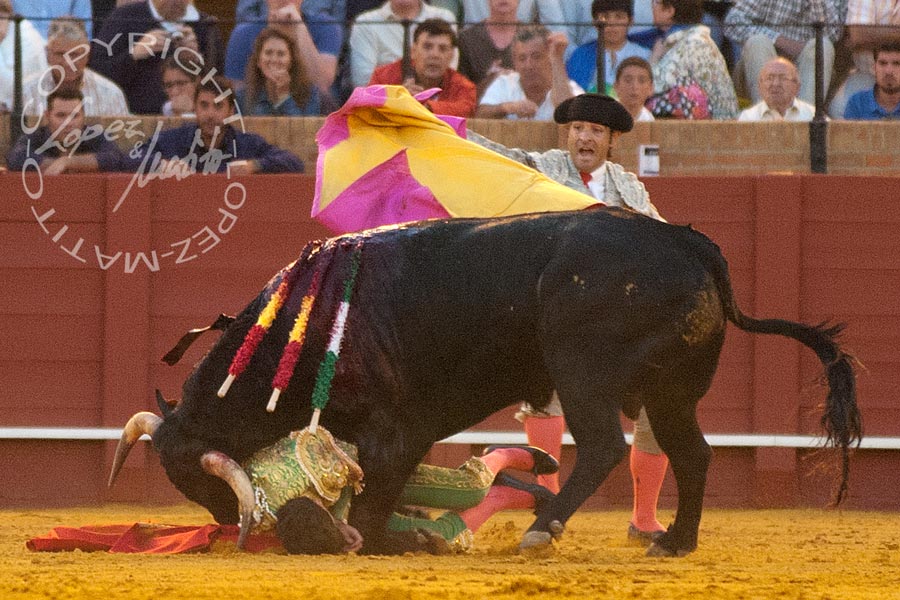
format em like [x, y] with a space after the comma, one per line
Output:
[146, 538]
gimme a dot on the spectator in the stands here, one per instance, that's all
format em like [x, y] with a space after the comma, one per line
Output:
[432, 51]
[764, 29]
[68, 50]
[357, 7]
[881, 101]
[330, 10]
[714, 13]
[135, 39]
[539, 83]
[212, 144]
[180, 84]
[42, 12]
[633, 86]
[277, 83]
[60, 144]
[376, 37]
[34, 60]
[316, 26]
[644, 33]
[870, 23]
[485, 48]
[685, 58]
[548, 12]
[779, 84]
[582, 64]
[578, 22]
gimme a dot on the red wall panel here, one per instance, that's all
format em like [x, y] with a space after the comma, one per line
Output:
[82, 345]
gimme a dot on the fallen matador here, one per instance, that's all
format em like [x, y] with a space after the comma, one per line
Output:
[302, 486]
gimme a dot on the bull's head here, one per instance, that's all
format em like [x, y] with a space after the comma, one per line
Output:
[206, 476]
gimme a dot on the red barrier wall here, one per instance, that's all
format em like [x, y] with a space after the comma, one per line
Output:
[84, 336]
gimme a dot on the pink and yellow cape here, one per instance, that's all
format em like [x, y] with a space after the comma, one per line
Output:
[386, 159]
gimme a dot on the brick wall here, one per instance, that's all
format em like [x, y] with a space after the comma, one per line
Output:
[686, 148]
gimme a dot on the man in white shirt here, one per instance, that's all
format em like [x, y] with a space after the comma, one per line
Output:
[779, 84]
[33, 59]
[539, 82]
[68, 51]
[528, 11]
[377, 35]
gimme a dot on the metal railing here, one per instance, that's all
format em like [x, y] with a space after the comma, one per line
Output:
[720, 440]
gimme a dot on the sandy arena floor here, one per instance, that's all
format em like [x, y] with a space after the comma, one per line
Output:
[788, 554]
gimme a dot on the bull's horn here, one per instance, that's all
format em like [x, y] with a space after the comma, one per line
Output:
[139, 424]
[218, 464]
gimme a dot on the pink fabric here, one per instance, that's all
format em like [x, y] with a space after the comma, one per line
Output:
[335, 130]
[500, 497]
[392, 196]
[146, 538]
[383, 143]
[382, 181]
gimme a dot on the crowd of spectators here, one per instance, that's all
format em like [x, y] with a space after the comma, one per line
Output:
[509, 59]
[304, 57]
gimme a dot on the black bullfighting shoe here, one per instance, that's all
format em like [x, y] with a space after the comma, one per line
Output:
[645, 538]
[543, 462]
[541, 494]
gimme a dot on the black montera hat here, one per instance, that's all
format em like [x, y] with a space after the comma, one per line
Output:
[594, 108]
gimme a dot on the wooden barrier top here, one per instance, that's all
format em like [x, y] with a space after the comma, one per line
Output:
[685, 147]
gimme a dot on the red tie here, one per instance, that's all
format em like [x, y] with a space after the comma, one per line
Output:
[586, 178]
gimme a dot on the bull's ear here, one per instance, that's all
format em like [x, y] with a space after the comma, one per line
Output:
[164, 406]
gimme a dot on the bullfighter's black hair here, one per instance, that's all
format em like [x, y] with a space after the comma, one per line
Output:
[304, 527]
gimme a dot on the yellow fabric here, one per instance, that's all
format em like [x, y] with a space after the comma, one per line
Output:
[455, 170]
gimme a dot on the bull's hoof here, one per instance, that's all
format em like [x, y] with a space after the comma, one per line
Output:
[537, 544]
[657, 551]
[664, 546]
[641, 537]
[541, 541]
[435, 543]
[535, 539]
[402, 542]
[556, 529]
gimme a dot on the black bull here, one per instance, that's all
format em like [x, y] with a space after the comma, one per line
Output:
[451, 321]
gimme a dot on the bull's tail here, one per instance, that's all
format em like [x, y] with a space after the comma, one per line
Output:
[841, 420]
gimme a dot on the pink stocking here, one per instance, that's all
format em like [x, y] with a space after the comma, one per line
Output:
[647, 473]
[499, 498]
[546, 433]
[508, 458]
